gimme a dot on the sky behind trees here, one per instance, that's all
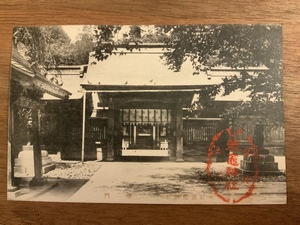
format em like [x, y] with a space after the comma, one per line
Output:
[73, 31]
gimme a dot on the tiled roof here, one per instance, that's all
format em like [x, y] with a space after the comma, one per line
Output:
[146, 68]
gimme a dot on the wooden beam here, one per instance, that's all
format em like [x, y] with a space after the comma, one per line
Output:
[46, 86]
[83, 127]
[179, 131]
[111, 130]
[37, 155]
[142, 88]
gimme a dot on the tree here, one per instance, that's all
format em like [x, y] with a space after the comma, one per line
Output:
[108, 41]
[81, 49]
[78, 52]
[236, 46]
[42, 46]
[49, 46]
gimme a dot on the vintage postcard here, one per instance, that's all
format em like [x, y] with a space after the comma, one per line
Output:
[178, 114]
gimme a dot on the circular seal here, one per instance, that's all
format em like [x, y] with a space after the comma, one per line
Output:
[228, 180]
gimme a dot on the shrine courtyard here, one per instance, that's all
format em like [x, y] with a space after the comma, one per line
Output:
[153, 183]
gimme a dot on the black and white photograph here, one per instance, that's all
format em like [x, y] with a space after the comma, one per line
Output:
[147, 114]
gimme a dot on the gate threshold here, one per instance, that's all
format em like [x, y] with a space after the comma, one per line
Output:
[145, 152]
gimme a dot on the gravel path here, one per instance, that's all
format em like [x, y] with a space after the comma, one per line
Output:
[73, 170]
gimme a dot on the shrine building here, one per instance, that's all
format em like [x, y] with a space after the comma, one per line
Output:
[133, 105]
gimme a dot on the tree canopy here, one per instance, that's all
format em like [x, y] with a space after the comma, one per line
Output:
[41, 45]
[47, 47]
[235, 46]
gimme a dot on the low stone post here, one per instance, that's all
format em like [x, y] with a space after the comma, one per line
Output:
[38, 175]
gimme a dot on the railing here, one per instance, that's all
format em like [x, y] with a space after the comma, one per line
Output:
[199, 133]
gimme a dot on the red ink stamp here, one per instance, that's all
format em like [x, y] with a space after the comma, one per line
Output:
[224, 176]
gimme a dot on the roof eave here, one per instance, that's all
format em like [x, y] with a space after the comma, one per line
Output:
[143, 88]
[50, 88]
[21, 73]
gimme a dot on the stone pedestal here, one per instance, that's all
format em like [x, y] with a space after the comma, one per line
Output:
[264, 164]
[12, 192]
[24, 164]
[37, 181]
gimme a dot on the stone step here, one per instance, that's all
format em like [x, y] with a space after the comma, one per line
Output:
[260, 166]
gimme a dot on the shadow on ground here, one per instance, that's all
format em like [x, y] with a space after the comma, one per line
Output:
[184, 180]
[162, 183]
[153, 188]
[61, 191]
